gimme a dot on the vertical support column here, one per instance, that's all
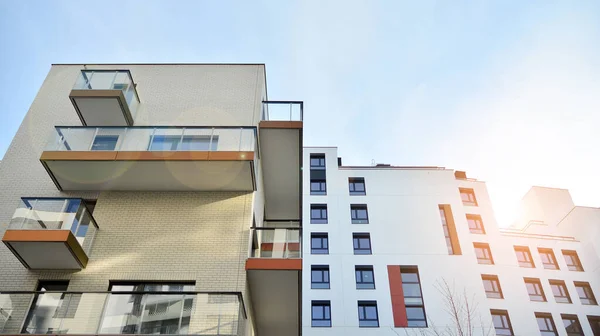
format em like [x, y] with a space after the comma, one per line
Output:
[397, 296]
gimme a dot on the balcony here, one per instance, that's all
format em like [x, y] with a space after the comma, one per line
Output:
[152, 158]
[51, 233]
[274, 272]
[116, 313]
[281, 156]
[105, 98]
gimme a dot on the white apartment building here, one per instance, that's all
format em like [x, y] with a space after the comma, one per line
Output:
[147, 199]
[381, 241]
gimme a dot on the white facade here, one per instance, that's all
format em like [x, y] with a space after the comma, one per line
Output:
[405, 229]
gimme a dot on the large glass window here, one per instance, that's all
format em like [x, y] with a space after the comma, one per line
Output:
[546, 324]
[319, 277]
[319, 243]
[483, 253]
[584, 290]
[367, 314]
[572, 260]
[359, 214]
[501, 322]
[321, 314]
[318, 213]
[572, 325]
[148, 308]
[560, 292]
[357, 186]
[413, 298]
[548, 258]
[535, 290]
[47, 309]
[362, 243]
[524, 256]
[492, 286]
[365, 278]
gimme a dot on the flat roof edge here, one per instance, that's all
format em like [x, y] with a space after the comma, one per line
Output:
[263, 64]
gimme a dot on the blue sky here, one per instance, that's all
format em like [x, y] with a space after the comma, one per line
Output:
[507, 90]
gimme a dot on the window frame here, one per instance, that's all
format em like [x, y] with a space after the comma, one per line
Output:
[549, 253]
[537, 285]
[321, 158]
[352, 182]
[364, 305]
[485, 247]
[577, 323]
[326, 307]
[321, 219]
[321, 236]
[493, 279]
[322, 190]
[354, 209]
[359, 269]
[594, 321]
[324, 269]
[572, 254]
[470, 192]
[505, 319]
[526, 252]
[413, 305]
[587, 289]
[548, 321]
[480, 228]
[562, 287]
[357, 237]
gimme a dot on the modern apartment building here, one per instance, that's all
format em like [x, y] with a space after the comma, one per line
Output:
[150, 199]
[381, 243]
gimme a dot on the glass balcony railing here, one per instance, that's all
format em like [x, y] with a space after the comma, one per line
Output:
[110, 80]
[164, 313]
[282, 110]
[276, 242]
[56, 214]
[153, 139]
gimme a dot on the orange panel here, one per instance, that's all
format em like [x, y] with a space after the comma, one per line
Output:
[281, 124]
[397, 296]
[273, 264]
[78, 156]
[231, 156]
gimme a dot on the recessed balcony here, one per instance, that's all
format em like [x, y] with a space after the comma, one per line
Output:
[51, 233]
[152, 158]
[281, 156]
[105, 98]
[274, 272]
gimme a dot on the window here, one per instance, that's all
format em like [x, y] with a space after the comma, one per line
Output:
[319, 277]
[413, 298]
[186, 143]
[501, 322]
[318, 213]
[357, 186]
[535, 290]
[492, 286]
[467, 196]
[572, 260]
[449, 229]
[546, 324]
[559, 289]
[475, 224]
[367, 314]
[548, 258]
[44, 306]
[319, 243]
[359, 214]
[321, 314]
[105, 142]
[584, 290]
[524, 256]
[572, 325]
[594, 324]
[362, 243]
[483, 253]
[365, 278]
[317, 161]
[318, 187]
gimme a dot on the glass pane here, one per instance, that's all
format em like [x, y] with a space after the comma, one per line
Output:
[165, 143]
[411, 290]
[317, 276]
[371, 312]
[318, 312]
[415, 313]
[105, 142]
[367, 276]
[122, 314]
[409, 277]
[46, 315]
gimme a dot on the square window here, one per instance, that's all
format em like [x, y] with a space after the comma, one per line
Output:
[475, 224]
[492, 286]
[318, 213]
[572, 325]
[548, 258]
[501, 322]
[318, 187]
[362, 243]
[584, 290]
[546, 324]
[572, 260]
[319, 243]
[560, 292]
[467, 196]
[367, 314]
[535, 290]
[317, 161]
[319, 277]
[357, 186]
[365, 278]
[483, 253]
[359, 214]
[524, 256]
[105, 142]
[321, 314]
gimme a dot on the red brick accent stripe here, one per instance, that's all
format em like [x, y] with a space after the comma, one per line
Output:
[397, 295]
